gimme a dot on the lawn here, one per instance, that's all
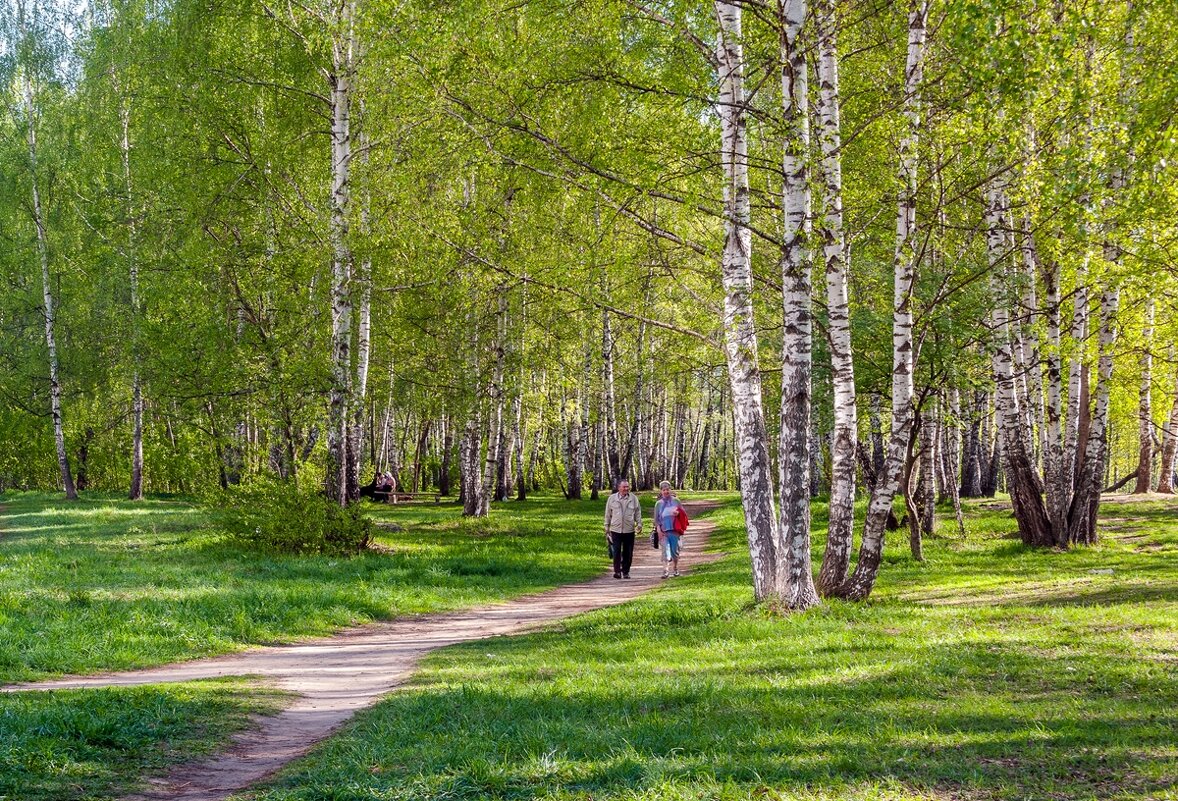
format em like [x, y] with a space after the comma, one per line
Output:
[76, 745]
[105, 584]
[990, 671]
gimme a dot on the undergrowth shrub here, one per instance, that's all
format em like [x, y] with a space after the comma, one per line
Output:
[286, 519]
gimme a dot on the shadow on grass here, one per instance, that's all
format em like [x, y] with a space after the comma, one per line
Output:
[91, 744]
[534, 730]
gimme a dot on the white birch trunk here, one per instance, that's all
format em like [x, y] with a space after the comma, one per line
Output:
[1056, 472]
[837, 555]
[740, 335]
[1145, 405]
[363, 351]
[797, 585]
[925, 488]
[859, 585]
[30, 108]
[136, 489]
[1023, 481]
[613, 459]
[1029, 342]
[340, 85]
[495, 401]
[1086, 498]
[1169, 441]
[954, 457]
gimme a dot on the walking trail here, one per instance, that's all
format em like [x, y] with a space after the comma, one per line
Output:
[335, 677]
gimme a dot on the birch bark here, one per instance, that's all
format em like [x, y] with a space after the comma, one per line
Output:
[1169, 441]
[797, 585]
[859, 585]
[925, 489]
[1023, 481]
[1086, 498]
[1057, 474]
[1029, 343]
[837, 555]
[363, 354]
[740, 335]
[340, 84]
[49, 307]
[136, 489]
[494, 400]
[1144, 404]
[613, 458]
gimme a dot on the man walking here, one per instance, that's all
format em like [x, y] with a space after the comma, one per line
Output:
[623, 518]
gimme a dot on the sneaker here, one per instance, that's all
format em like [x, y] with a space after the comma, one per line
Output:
[675, 574]
[666, 575]
[625, 575]
[617, 575]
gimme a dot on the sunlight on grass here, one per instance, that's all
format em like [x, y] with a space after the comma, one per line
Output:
[91, 744]
[1038, 681]
[108, 584]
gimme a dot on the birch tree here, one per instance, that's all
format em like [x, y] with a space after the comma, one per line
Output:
[837, 555]
[30, 52]
[859, 585]
[740, 334]
[1144, 404]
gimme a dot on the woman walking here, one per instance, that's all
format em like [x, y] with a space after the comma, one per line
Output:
[666, 509]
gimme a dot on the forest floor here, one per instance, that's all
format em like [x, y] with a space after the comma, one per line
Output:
[990, 671]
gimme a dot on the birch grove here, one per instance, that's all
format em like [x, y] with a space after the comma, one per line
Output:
[311, 243]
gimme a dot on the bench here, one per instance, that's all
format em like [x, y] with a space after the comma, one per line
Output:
[398, 496]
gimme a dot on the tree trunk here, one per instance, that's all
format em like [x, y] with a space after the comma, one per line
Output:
[925, 489]
[952, 452]
[1144, 405]
[1086, 498]
[1026, 490]
[63, 461]
[862, 581]
[635, 425]
[613, 460]
[837, 555]
[132, 223]
[1057, 479]
[447, 448]
[359, 397]
[469, 452]
[971, 459]
[911, 505]
[1077, 381]
[740, 334]
[339, 420]
[797, 587]
[495, 400]
[1169, 442]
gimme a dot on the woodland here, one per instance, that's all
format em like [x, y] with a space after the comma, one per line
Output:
[905, 253]
[885, 290]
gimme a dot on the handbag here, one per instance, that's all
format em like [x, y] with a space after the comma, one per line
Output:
[613, 549]
[654, 539]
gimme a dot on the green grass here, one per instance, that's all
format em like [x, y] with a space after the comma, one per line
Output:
[990, 671]
[72, 745]
[105, 584]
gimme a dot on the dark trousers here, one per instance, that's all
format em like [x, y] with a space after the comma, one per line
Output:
[623, 551]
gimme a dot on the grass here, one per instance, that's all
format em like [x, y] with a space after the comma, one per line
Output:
[75, 745]
[991, 671]
[105, 584]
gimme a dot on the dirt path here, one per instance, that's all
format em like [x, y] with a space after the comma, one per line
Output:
[334, 677]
